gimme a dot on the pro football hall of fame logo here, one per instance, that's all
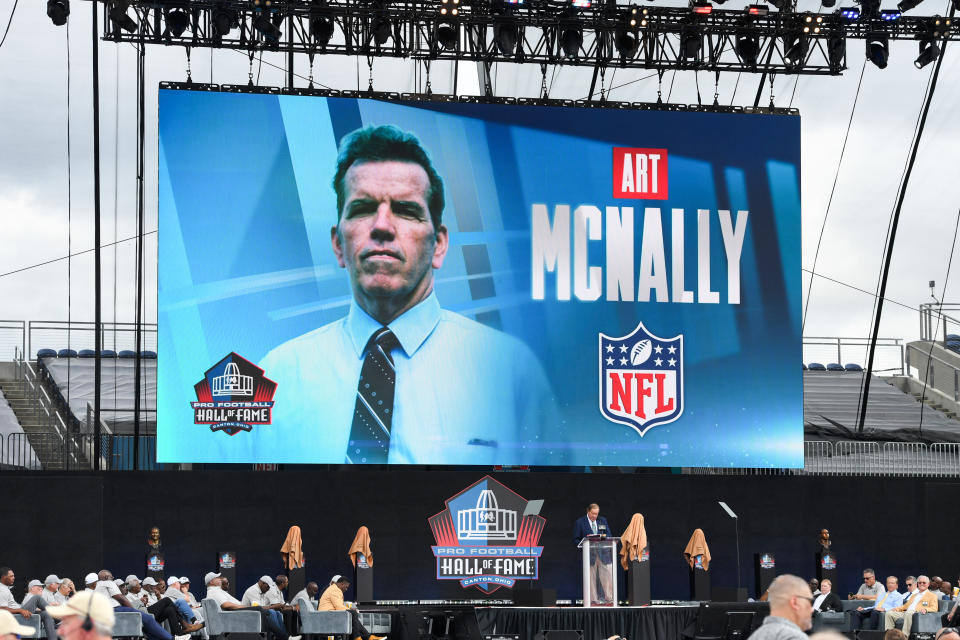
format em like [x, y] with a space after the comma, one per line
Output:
[487, 537]
[233, 396]
[641, 379]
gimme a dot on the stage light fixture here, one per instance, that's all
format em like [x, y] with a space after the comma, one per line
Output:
[748, 48]
[691, 41]
[382, 29]
[850, 13]
[836, 49]
[321, 28]
[506, 36]
[446, 35]
[177, 22]
[795, 50]
[223, 21]
[906, 5]
[571, 38]
[939, 26]
[702, 7]
[878, 49]
[626, 42]
[929, 51]
[828, 4]
[449, 7]
[782, 5]
[890, 15]
[263, 24]
[585, 4]
[869, 8]
[637, 17]
[57, 11]
[118, 16]
[757, 10]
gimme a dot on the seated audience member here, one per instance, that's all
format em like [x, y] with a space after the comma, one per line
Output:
[946, 590]
[32, 604]
[163, 609]
[791, 607]
[894, 634]
[51, 590]
[67, 589]
[308, 593]
[870, 588]
[814, 585]
[85, 616]
[279, 586]
[951, 617]
[10, 629]
[332, 600]
[34, 588]
[175, 594]
[225, 583]
[869, 617]
[151, 586]
[107, 587]
[265, 595]
[921, 602]
[228, 603]
[911, 587]
[827, 600]
[947, 633]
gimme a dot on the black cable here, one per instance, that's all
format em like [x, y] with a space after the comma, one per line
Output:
[856, 288]
[736, 84]
[73, 255]
[69, 223]
[946, 279]
[895, 219]
[7, 30]
[833, 189]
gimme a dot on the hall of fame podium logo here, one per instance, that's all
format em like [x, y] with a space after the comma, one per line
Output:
[487, 537]
[233, 396]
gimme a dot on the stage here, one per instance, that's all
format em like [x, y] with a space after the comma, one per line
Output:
[660, 622]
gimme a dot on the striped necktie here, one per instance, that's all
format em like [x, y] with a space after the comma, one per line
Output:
[373, 411]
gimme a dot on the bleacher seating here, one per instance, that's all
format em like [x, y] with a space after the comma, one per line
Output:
[834, 366]
[21, 455]
[816, 366]
[851, 366]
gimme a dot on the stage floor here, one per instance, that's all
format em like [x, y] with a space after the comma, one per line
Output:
[656, 622]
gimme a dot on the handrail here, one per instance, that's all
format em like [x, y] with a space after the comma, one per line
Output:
[931, 314]
[106, 328]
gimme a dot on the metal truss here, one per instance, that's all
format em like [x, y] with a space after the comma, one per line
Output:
[546, 32]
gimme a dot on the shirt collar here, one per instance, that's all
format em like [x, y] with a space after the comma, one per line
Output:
[411, 328]
[779, 620]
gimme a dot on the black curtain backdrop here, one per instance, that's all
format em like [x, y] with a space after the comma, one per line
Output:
[71, 524]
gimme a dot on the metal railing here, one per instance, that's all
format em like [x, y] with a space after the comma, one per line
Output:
[825, 349]
[43, 408]
[75, 452]
[935, 324]
[80, 335]
[13, 335]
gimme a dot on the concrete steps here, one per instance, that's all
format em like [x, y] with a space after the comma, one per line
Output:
[46, 443]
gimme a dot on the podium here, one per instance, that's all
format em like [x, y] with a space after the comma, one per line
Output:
[227, 567]
[362, 579]
[638, 580]
[155, 564]
[764, 571]
[599, 571]
[699, 581]
[827, 568]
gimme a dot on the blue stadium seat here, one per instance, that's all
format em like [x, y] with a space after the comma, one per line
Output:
[804, 366]
[816, 366]
[126, 353]
[953, 345]
[87, 353]
[833, 366]
[148, 355]
[850, 366]
[953, 336]
[108, 353]
[66, 353]
[46, 353]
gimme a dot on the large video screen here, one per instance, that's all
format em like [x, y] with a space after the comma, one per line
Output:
[347, 280]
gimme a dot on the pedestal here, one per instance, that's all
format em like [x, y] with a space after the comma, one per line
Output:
[227, 567]
[298, 580]
[638, 581]
[599, 571]
[764, 571]
[155, 564]
[827, 568]
[699, 584]
[363, 583]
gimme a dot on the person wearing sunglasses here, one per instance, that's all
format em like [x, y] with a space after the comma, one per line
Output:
[791, 608]
[923, 601]
[948, 633]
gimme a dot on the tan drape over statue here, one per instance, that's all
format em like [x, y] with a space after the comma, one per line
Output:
[292, 549]
[697, 547]
[633, 541]
[361, 543]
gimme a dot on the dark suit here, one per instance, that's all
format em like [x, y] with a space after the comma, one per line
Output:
[831, 603]
[582, 529]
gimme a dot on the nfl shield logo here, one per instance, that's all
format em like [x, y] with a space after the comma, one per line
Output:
[641, 379]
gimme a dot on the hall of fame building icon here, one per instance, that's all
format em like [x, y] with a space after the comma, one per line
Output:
[232, 382]
[487, 537]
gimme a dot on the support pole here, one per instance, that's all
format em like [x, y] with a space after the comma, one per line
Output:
[97, 285]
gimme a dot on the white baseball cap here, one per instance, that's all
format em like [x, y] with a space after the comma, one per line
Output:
[184, 580]
[86, 603]
[118, 582]
[91, 578]
[52, 579]
[210, 576]
[34, 583]
[9, 624]
[149, 581]
[132, 579]
[267, 579]
[172, 580]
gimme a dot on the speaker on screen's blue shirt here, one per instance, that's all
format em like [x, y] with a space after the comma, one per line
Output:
[465, 394]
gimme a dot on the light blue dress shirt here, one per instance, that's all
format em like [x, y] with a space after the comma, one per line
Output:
[888, 601]
[465, 393]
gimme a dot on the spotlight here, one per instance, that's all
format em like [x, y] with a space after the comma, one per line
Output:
[177, 22]
[850, 13]
[382, 30]
[795, 50]
[939, 26]
[691, 41]
[870, 8]
[581, 4]
[811, 24]
[505, 36]
[57, 11]
[829, 4]
[890, 15]
[449, 7]
[906, 5]
[626, 43]
[929, 51]
[757, 10]
[702, 7]
[570, 40]
[263, 24]
[118, 16]
[223, 20]
[446, 35]
[637, 17]
[321, 29]
[748, 48]
[836, 49]
[878, 49]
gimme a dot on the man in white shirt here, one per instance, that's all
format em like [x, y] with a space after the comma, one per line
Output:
[51, 590]
[85, 616]
[150, 586]
[175, 594]
[307, 594]
[228, 603]
[32, 604]
[151, 628]
[870, 616]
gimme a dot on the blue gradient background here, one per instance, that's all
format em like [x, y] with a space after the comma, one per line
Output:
[246, 206]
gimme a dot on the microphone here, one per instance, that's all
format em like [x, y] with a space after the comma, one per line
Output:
[602, 530]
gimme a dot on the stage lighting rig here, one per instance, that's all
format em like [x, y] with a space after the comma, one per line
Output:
[506, 35]
[701, 7]
[321, 29]
[812, 24]
[782, 5]
[828, 4]
[57, 11]
[748, 48]
[878, 49]
[381, 28]
[223, 20]
[869, 8]
[637, 17]
[795, 47]
[118, 15]
[850, 13]
[929, 51]
[691, 42]
[757, 10]
[626, 42]
[571, 39]
[176, 20]
[836, 50]
[906, 5]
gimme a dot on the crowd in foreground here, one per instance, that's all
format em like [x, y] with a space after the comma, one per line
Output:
[793, 602]
[171, 602]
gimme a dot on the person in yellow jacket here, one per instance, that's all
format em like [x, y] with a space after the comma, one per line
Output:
[923, 601]
[332, 600]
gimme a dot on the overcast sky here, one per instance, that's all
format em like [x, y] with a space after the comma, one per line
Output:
[33, 162]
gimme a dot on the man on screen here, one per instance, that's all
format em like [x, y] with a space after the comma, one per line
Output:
[399, 379]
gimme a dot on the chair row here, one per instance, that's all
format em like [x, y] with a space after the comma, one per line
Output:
[90, 353]
[833, 366]
[841, 621]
